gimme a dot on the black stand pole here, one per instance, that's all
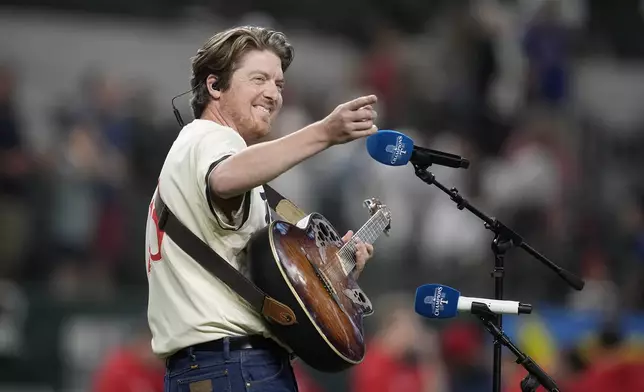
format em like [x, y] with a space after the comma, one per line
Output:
[504, 240]
[536, 376]
[499, 246]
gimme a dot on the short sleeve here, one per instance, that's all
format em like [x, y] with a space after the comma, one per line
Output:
[212, 149]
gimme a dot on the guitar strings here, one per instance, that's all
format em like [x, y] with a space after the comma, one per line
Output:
[371, 229]
[346, 254]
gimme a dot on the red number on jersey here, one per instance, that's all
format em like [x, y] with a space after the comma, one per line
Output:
[155, 256]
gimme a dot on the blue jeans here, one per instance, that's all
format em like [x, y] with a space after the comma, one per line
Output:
[245, 370]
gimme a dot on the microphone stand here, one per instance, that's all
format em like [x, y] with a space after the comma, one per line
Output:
[504, 240]
[536, 376]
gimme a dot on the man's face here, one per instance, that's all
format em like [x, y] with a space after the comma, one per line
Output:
[254, 96]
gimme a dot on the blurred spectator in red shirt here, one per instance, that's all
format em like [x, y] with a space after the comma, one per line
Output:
[465, 358]
[305, 383]
[611, 366]
[381, 73]
[132, 367]
[402, 356]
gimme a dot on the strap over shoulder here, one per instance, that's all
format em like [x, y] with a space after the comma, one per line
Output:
[273, 310]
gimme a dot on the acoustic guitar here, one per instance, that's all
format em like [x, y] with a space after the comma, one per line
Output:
[308, 267]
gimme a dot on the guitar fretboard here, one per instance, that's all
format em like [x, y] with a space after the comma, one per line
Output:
[368, 234]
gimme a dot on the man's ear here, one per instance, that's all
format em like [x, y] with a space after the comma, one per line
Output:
[212, 84]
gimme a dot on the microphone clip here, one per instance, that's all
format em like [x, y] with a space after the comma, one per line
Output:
[483, 312]
[422, 172]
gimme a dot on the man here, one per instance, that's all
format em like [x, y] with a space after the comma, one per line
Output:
[212, 181]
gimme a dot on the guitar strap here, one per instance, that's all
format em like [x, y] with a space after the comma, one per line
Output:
[283, 206]
[270, 308]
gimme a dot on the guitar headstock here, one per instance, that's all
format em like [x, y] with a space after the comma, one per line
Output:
[374, 205]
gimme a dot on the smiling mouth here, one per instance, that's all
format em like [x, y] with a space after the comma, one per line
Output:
[262, 108]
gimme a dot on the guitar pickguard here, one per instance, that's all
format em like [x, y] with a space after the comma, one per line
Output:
[322, 232]
[359, 298]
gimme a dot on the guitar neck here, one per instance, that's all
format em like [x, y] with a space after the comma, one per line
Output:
[368, 234]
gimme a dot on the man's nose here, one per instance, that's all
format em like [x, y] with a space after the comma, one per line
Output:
[272, 91]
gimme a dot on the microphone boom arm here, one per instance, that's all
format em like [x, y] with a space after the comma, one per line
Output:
[505, 234]
[486, 316]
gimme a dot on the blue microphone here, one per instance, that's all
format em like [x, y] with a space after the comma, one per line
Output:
[440, 301]
[396, 149]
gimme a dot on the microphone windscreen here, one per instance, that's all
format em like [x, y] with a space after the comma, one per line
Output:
[436, 301]
[390, 147]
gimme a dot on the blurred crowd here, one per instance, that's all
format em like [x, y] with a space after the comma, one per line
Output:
[494, 83]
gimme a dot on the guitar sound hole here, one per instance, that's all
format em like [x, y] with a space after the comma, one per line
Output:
[321, 238]
[325, 230]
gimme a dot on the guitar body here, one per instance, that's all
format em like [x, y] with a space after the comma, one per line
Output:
[300, 267]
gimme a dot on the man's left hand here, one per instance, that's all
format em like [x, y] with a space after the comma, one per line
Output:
[363, 253]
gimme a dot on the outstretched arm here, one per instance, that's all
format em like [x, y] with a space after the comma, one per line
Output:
[263, 162]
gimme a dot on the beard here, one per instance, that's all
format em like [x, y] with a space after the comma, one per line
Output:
[246, 121]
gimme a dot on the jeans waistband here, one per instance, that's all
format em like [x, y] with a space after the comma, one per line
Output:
[228, 344]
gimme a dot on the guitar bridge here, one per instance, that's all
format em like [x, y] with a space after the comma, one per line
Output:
[325, 281]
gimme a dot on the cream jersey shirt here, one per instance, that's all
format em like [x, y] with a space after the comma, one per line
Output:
[187, 305]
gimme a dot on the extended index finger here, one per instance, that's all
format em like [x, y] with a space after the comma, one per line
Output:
[361, 101]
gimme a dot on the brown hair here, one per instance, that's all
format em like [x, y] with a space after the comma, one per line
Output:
[221, 54]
